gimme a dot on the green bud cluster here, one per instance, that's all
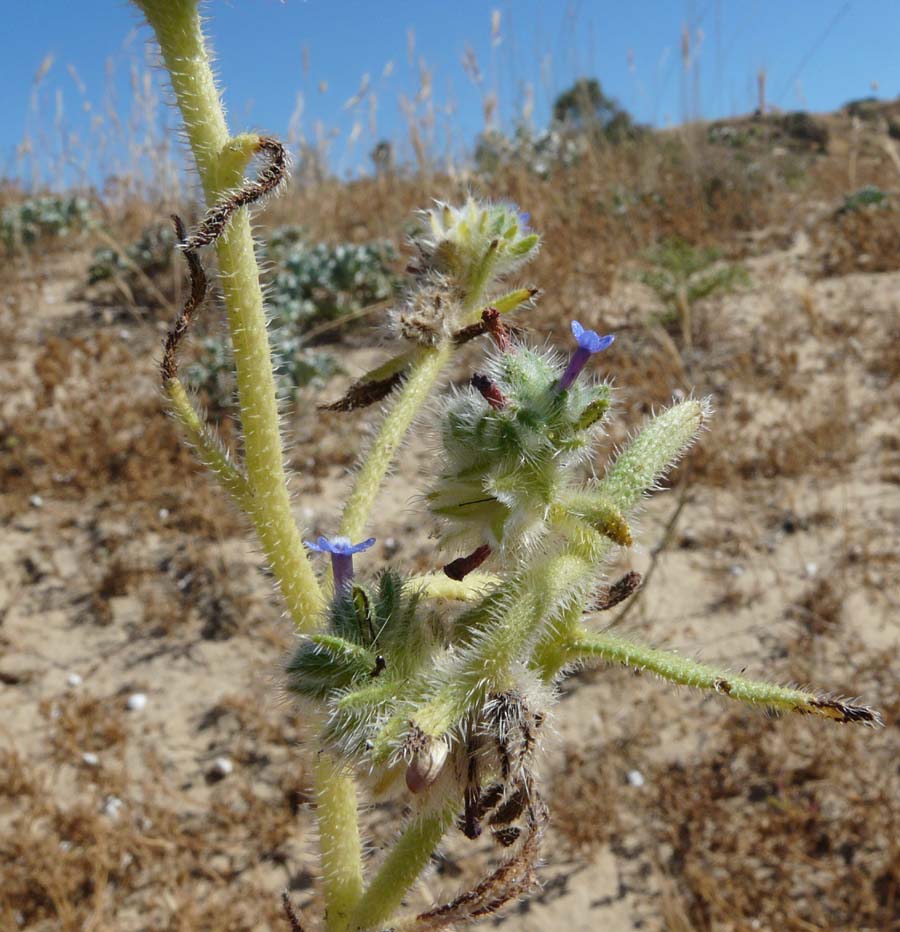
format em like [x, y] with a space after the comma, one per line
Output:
[379, 637]
[476, 242]
[412, 685]
[462, 253]
[512, 455]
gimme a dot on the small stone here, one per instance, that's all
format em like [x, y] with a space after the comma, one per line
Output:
[736, 569]
[36, 501]
[391, 546]
[789, 523]
[111, 806]
[137, 702]
[810, 569]
[74, 680]
[220, 768]
[163, 514]
[635, 778]
[90, 759]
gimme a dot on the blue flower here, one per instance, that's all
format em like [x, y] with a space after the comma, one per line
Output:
[589, 342]
[339, 546]
[341, 550]
[524, 220]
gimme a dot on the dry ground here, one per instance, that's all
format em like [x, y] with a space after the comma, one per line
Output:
[123, 572]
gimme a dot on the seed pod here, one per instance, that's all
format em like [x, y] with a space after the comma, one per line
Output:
[426, 765]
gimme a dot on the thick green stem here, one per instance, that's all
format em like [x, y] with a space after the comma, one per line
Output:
[178, 30]
[406, 861]
[339, 841]
[685, 672]
[221, 163]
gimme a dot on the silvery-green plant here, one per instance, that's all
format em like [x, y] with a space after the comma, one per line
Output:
[51, 215]
[151, 254]
[433, 688]
[309, 288]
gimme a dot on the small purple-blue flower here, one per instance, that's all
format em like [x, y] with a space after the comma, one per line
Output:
[341, 550]
[589, 342]
[339, 545]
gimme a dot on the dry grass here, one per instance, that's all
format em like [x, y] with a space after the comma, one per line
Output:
[773, 826]
[775, 830]
[83, 845]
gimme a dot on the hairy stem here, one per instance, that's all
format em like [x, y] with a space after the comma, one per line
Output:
[339, 839]
[553, 651]
[423, 375]
[178, 30]
[207, 446]
[397, 422]
[506, 626]
[406, 861]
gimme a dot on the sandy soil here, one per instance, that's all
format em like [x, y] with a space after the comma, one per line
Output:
[193, 807]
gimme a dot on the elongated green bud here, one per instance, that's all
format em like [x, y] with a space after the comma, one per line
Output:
[649, 456]
[686, 672]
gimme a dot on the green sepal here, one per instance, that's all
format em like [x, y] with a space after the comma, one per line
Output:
[326, 663]
[603, 516]
[593, 413]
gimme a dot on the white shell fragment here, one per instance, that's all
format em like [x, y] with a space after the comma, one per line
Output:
[137, 702]
[222, 766]
[111, 806]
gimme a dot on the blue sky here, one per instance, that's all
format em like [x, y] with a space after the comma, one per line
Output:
[817, 54]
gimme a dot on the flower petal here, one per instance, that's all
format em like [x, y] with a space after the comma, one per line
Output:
[339, 546]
